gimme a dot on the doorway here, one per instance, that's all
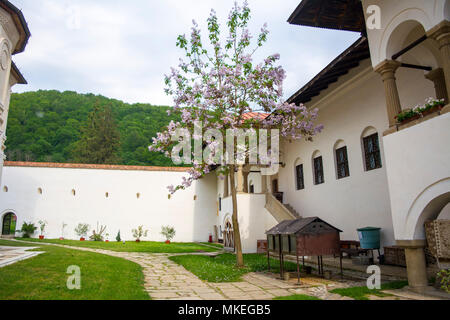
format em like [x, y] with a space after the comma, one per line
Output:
[9, 224]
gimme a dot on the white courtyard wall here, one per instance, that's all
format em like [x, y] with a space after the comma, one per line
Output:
[121, 210]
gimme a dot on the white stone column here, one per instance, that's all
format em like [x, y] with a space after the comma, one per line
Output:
[441, 33]
[387, 71]
[438, 78]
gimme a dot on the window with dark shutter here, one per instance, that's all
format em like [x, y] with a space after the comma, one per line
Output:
[300, 182]
[318, 171]
[342, 163]
[372, 152]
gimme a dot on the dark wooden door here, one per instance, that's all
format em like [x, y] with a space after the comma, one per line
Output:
[9, 224]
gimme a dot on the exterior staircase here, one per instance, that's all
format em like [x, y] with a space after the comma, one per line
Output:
[280, 211]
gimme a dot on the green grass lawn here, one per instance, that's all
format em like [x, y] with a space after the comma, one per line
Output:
[297, 297]
[362, 293]
[8, 243]
[217, 245]
[132, 246]
[44, 277]
[223, 267]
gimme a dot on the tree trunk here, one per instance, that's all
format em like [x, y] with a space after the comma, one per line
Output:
[237, 233]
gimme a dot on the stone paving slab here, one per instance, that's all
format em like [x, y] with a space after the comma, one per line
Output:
[11, 255]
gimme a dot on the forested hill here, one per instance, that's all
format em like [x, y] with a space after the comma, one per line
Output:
[44, 125]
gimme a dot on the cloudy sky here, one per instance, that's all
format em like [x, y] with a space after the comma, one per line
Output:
[122, 49]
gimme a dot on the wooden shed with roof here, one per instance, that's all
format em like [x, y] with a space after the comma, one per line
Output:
[303, 237]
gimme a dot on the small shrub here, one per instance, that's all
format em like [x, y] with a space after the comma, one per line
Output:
[168, 232]
[82, 229]
[42, 225]
[97, 235]
[118, 239]
[28, 229]
[139, 233]
[444, 276]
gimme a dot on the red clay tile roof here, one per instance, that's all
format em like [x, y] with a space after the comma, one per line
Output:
[255, 115]
[90, 166]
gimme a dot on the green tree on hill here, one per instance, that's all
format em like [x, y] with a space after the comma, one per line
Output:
[100, 139]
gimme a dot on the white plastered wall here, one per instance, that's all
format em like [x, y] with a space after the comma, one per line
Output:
[121, 210]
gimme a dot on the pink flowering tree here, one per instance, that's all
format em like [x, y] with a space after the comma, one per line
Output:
[213, 88]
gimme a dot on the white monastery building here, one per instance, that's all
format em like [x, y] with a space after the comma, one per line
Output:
[364, 169]
[14, 36]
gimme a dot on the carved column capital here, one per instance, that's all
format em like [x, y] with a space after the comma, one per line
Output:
[387, 69]
[441, 33]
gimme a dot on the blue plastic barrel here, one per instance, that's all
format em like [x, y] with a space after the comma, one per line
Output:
[369, 237]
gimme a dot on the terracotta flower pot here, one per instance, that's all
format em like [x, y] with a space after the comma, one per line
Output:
[167, 241]
[61, 238]
[137, 240]
[82, 239]
[41, 237]
[107, 241]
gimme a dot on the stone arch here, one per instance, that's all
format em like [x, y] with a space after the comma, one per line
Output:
[427, 206]
[398, 29]
[368, 131]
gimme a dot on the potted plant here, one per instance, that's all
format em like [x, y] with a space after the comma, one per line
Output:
[431, 105]
[408, 115]
[107, 237]
[168, 232]
[63, 226]
[28, 229]
[139, 233]
[81, 230]
[97, 235]
[42, 225]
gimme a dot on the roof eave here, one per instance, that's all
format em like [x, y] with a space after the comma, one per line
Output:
[17, 74]
[21, 24]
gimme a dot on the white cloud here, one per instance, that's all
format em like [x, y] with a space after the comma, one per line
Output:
[122, 49]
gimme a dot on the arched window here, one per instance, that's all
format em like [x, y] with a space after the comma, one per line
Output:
[341, 160]
[5, 189]
[317, 163]
[40, 190]
[299, 175]
[107, 195]
[74, 192]
[251, 187]
[371, 149]
[138, 195]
